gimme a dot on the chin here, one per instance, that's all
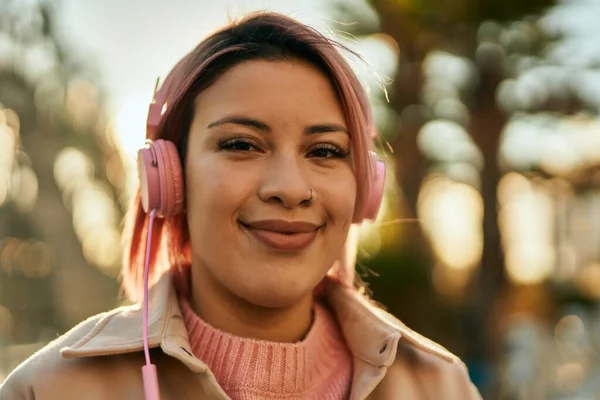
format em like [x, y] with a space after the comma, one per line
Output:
[276, 294]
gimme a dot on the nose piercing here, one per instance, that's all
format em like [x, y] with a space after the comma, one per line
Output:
[311, 195]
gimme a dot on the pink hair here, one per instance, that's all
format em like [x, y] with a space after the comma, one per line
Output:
[257, 36]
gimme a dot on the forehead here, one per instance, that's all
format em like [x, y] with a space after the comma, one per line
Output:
[272, 89]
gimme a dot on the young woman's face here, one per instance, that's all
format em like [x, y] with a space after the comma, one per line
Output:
[270, 190]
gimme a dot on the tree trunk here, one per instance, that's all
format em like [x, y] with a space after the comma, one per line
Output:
[487, 123]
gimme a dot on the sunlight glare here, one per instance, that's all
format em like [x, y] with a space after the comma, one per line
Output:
[452, 216]
[526, 221]
[130, 125]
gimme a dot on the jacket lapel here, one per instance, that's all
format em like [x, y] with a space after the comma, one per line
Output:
[120, 331]
[372, 335]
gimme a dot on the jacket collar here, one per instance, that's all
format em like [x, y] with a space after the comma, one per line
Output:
[371, 333]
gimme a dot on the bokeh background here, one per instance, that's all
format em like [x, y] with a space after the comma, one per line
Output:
[489, 240]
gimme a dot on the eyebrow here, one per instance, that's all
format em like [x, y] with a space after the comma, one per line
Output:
[261, 126]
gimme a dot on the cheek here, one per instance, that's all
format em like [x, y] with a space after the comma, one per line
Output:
[339, 197]
[213, 191]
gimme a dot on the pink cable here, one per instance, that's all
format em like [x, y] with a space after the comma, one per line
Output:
[146, 273]
[149, 374]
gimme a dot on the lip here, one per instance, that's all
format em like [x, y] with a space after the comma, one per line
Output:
[283, 235]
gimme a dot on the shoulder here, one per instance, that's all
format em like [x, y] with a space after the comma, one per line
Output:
[428, 370]
[425, 369]
[47, 366]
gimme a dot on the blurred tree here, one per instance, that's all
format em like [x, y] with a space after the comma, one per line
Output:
[60, 182]
[467, 45]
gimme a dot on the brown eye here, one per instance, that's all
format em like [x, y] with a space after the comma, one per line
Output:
[237, 145]
[327, 150]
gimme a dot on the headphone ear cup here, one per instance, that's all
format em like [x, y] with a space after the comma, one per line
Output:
[161, 180]
[149, 180]
[375, 196]
[177, 186]
[171, 188]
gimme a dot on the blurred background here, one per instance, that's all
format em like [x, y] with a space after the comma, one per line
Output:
[489, 239]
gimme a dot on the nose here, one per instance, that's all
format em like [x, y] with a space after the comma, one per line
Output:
[285, 183]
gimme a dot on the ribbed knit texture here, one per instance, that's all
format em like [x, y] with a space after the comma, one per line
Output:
[319, 367]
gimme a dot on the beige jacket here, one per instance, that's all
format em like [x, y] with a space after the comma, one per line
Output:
[101, 358]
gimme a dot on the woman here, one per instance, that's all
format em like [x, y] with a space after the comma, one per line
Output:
[259, 165]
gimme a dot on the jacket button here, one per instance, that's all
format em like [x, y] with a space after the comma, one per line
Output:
[382, 349]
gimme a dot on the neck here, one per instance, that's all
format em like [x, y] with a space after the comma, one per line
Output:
[229, 313]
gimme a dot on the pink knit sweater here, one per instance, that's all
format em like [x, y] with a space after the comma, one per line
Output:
[319, 367]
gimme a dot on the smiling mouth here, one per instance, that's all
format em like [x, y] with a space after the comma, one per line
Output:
[282, 240]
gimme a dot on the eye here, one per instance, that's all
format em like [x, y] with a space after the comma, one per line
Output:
[237, 144]
[328, 150]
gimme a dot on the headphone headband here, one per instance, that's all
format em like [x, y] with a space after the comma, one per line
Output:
[158, 104]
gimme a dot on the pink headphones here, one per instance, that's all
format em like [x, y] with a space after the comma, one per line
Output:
[161, 182]
[162, 195]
